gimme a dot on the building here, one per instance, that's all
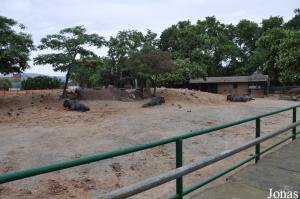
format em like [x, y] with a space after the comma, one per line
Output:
[255, 85]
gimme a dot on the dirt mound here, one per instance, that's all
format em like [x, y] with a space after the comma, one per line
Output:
[15, 108]
[190, 96]
[294, 91]
[110, 93]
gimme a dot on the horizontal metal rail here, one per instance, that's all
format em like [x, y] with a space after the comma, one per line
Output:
[233, 167]
[186, 169]
[21, 174]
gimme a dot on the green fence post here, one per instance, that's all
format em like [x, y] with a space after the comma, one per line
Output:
[294, 120]
[257, 134]
[179, 181]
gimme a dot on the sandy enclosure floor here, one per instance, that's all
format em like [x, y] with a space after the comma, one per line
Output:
[36, 130]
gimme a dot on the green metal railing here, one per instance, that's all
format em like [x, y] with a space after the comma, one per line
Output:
[178, 140]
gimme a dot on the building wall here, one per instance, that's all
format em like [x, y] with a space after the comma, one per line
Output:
[257, 93]
[233, 88]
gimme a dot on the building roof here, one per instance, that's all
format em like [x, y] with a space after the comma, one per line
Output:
[255, 77]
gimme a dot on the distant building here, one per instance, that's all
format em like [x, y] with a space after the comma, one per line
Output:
[255, 85]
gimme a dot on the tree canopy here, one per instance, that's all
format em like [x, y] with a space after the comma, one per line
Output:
[68, 46]
[15, 47]
[183, 51]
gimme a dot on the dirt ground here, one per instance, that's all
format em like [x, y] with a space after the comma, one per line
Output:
[35, 130]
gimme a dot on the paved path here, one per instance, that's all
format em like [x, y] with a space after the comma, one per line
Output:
[279, 171]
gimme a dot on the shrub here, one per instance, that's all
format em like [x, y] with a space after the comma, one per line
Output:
[5, 84]
[41, 82]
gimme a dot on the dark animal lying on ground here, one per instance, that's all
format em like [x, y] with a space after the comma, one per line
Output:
[75, 105]
[234, 98]
[294, 91]
[155, 101]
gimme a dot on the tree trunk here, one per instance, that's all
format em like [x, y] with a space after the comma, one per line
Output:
[142, 89]
[154, 86]
[66, 84]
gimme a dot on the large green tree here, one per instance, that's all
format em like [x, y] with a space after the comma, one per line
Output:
[294, 23]
[288, 59]
[208, 42]
[245, 35]
[87, 72]
[148, 64]
[67, 48]
[120, 48]
[15, 47]
[184, 71]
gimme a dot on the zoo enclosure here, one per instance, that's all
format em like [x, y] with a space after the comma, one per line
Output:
[178, 140]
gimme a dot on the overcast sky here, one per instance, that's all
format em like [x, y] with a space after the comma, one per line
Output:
[107, 17]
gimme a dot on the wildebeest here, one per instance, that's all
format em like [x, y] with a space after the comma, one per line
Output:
[75, 105]
[155, 101]
[235, 98]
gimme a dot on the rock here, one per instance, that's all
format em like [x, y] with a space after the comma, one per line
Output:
[75, 105]
[155, 101]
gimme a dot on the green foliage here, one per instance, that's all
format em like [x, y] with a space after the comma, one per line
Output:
[288, 59]
[294, 23]
[208, 42]
[185, 71]
[15, 47]
[272, 22]
[69, 46]
[183, 51]
[125, 45]
[148, 64]
[5, 84]
[235, 49]
[41, 82]
[91, 72]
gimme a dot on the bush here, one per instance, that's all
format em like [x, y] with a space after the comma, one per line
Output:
[41, 82]
[5, 84]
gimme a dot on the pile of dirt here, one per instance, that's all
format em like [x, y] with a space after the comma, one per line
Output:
[190, 96]
[109, 93]
[294, 91]
[15, 108]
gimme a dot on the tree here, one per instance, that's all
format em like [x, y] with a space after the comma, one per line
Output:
[88, 72]
[148, 64]
[41, 82]
[70, 46]
[120, 48]
[271, 23]
[5, 84]
[288, 60]
[268, 46]
[185, 71]
[15, 47]
[245, 35]
[208, 42]
[294, 23]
